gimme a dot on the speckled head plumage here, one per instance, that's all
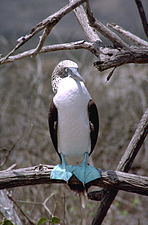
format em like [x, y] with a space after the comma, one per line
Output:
[64, 69]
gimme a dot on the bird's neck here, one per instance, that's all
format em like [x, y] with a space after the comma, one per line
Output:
[70, 89]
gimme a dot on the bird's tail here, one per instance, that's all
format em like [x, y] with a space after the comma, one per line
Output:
[83, 198]
[81, 190]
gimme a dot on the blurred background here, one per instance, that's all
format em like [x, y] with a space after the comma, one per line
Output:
[25, 94]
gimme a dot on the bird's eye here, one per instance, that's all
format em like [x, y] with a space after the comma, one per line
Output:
[64, 72]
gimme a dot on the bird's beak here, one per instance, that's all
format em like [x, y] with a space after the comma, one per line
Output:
[75, 74]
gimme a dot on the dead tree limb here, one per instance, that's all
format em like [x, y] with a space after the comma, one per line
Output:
[41, 175]
[124, 165]
[134, 145]
[128, 35]
[50, 48]
[49, 22]
[142, 16]
[7, 208]
[90, 33]
[109, 57]
[116, 58]
[105, 31]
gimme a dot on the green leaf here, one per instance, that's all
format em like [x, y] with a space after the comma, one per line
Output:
[136, 201]
[7, 222]
[42, 221]
[55, 220]
[124, 212]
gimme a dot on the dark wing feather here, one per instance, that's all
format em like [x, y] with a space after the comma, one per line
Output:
[53, 124]
[94, 123]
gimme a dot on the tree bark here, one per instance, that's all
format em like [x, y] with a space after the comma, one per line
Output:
[124, 165]
[41, 175]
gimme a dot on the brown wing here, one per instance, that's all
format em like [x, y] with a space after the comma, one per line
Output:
[53, 124]
[94, 123]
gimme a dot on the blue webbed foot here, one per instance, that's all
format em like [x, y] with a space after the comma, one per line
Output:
[84, 172]
[62, 171]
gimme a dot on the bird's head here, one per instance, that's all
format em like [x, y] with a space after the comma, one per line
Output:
[66, 68]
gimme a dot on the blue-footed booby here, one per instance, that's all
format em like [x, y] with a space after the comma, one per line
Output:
[73, 124]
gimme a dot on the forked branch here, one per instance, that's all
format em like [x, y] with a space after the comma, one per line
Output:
[109, 57]
[124, 165]
[46, 24]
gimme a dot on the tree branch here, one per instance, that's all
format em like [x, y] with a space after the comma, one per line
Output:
[105, 31]
[7, 208]
[50, 21]
[50, 48]
[42, 39]
[41, 175]
[110, 58]
[135, 144]
[131, 37]
[124, 165]
[142, 16]
[81, 15]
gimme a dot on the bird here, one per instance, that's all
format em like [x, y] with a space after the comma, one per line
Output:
[73, 124]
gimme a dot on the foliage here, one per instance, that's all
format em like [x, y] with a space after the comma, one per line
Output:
[42, 221]
[6, 222]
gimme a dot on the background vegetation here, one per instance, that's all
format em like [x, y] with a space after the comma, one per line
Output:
[25, 93]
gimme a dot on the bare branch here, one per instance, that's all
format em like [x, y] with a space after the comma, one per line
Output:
[135, 144]
[49, 21]
[41, 175]
[142, 16]
[129, 35]
[81, 15]
[110, 58]
[22, 212]
[7, 208]
[9, 151]
[114, 38]
[42, 39]
[110, 74]
[50, 48]
[105, 31]
[124, 164]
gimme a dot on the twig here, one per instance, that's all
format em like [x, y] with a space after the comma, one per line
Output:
[142, 16]
[11, 167]
[110, 74]
[106, 32]
[22, 212]
[114, 38]
[49, 21]
[9, 151]
[42, 39]
[136, 40]
[45, 206]
[124, 165]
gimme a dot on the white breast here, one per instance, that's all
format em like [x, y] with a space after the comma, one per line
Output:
[71, 101]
